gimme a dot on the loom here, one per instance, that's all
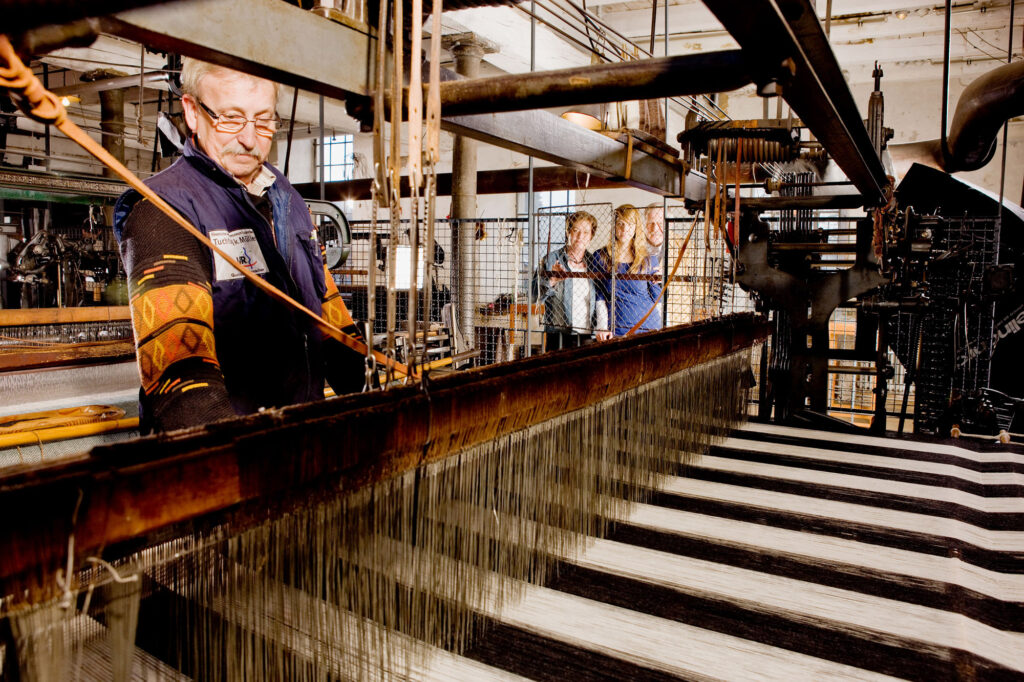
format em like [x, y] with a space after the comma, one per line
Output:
[492, 523]
[313, 542]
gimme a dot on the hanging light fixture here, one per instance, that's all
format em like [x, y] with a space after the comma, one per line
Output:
[589, 116]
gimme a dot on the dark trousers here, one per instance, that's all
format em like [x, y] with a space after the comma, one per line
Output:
[560, 340]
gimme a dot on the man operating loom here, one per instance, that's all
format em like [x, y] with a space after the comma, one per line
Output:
[211, 345]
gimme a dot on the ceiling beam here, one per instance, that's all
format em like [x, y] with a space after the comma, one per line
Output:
[779, 30]
[543, 135]
[319, 55]
[512, 181]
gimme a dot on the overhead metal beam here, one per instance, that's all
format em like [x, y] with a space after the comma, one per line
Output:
[336, 60]
[543, 135]
[774, 31]
[266, 38]
[511, 181]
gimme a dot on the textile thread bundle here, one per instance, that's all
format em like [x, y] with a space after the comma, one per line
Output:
[345, 587]
[69, 639]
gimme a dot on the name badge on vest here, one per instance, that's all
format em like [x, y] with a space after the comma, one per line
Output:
[242, 246]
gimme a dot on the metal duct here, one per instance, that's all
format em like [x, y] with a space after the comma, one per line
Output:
[980, 112]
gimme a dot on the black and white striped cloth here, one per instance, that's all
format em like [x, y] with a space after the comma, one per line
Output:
[787, 554]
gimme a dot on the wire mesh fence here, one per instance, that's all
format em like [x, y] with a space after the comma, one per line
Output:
[503, 288]
[704, 285]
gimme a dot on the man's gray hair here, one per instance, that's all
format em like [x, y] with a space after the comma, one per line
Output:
[194, 70]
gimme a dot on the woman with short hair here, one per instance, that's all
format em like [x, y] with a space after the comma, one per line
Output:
[571, 310]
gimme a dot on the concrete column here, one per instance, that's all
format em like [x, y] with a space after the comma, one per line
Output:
[468, 49]
[111, 116]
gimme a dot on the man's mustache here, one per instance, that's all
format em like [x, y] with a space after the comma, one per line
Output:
[237, 149]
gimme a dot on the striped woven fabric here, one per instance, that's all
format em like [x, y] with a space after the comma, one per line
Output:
[787, 554]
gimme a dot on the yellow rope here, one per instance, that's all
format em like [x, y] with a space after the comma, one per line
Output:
[45, 107]
[16, 440]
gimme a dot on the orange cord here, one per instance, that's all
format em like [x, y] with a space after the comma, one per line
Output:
[47, 108]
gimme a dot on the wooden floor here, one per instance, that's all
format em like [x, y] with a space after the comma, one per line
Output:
[788, 554]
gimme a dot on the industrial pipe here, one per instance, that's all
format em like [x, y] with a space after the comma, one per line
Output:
[674, 76]
[984, 106]
[153, 79]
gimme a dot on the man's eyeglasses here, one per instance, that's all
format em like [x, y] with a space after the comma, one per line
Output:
[234, 124]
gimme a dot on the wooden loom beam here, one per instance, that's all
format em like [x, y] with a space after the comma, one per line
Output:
[235, 471]
[18, 317]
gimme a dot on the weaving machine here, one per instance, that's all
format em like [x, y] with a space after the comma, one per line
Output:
[388, 512]
[542, 521]
[549, 519]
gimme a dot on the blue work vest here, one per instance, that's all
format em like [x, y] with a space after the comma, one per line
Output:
[270, 354]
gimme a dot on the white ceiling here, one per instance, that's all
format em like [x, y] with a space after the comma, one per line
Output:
[862, 31]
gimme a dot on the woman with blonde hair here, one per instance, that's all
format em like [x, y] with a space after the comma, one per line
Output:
[631, 291]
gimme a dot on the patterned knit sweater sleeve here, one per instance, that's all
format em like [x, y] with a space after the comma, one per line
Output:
[169, 285]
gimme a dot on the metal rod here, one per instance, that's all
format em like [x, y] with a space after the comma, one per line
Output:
[533, 16]
[664, 200]
[598, 21]
[323, 152]
[142, 92]
[944, 145]
[910, 377]
[878, 423]
[830, 183]
[654, 22]
[611, 29]
[814, 247]
[394, 168]
[1002, 168]
[531, 226]
[291, 132]
[46, 138]
[156, 138]
[997, 237]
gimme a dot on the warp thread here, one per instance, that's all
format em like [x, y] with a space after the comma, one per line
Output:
[360, 586]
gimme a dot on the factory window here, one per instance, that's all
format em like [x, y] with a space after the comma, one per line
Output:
[339, 160]
[553, 199]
